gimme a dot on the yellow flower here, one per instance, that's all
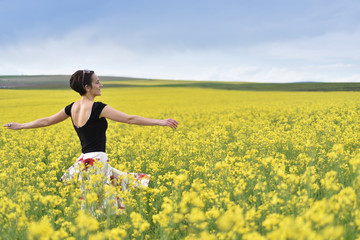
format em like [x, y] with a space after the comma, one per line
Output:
[115, 233]
[86, 223]
[138, 222]
[40, 230]
[180, 179]
[213, 213]
[91, 197]
[196, 215]
[330, 181]
[232, 220]
[246, 165]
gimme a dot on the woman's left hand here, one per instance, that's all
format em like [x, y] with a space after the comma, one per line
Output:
[13, 126]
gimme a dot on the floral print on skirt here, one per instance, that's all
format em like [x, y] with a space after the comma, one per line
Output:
[98, 163]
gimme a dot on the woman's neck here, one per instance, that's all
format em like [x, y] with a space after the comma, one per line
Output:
[87, 98]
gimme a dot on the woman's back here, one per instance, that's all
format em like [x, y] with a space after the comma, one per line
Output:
[88, 126]
[80, 113]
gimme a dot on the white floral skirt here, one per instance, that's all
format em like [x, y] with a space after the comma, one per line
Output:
[96, 163]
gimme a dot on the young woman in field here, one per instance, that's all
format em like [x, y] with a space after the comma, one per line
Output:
[89, 121]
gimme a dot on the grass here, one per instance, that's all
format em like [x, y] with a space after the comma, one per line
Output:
[62, 81]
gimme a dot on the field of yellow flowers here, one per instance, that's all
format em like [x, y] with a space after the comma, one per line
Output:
[241, 165]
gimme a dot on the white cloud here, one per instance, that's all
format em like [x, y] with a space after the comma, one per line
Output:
[332, 66]
[258, 74]
[107, 55]
[75, 50]
[352, 78]
[326, 47]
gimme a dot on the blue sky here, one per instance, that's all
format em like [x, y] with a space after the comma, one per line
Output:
[256, 41]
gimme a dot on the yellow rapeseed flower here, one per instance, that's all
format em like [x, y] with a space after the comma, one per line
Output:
[41, 230]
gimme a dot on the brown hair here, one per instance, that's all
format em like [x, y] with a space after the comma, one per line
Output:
[80, 79]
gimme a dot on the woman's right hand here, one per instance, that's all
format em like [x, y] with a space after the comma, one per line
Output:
[13, 126]
[169, 122]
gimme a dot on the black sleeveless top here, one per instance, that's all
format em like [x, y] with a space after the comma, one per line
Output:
[92, 134]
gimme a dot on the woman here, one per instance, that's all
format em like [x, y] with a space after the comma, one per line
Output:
[89, 121]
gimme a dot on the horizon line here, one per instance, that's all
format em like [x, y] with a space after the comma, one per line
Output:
[162, 79]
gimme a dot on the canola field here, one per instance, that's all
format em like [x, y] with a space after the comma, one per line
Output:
[241, 165]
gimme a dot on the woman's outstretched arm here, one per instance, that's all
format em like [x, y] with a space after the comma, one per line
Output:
[115, 115]
[41, 122]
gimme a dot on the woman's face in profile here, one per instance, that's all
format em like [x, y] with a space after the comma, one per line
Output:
[95, 85]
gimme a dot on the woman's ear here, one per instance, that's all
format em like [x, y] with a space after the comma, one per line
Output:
[87, 88]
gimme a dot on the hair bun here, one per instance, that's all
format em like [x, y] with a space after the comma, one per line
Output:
[79, 80]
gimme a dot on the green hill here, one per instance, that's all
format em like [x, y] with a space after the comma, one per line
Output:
[62, 81]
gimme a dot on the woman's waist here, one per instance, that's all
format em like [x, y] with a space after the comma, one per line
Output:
[94, 155]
